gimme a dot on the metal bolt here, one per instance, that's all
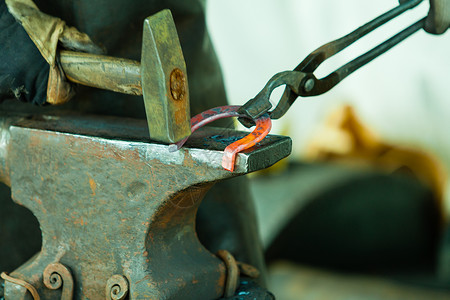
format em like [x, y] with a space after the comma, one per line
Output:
[177, 84]
[309, 85]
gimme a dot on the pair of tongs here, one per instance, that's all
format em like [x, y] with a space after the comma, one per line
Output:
[302, 82]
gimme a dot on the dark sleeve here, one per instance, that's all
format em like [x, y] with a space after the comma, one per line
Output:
[23, 71]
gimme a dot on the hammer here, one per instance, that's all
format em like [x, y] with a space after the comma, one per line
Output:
[160, 77]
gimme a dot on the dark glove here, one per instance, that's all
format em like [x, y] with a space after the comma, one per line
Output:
[23, 26]
[438, 19]
[23, 70]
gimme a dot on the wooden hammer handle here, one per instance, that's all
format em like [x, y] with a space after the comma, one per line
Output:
[104, 72]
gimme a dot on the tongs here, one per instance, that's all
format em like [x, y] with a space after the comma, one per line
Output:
[302, 82]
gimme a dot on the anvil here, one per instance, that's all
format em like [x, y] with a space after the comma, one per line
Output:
[117, 211]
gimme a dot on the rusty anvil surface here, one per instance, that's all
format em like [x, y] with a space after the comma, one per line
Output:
[117, 211]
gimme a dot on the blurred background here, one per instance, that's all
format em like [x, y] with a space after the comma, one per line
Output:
[360, 209]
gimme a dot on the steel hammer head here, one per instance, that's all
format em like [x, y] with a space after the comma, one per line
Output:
[164, 82]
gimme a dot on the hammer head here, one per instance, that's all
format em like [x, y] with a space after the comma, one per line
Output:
[164, 82]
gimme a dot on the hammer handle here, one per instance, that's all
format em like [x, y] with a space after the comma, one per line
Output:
[104, 72]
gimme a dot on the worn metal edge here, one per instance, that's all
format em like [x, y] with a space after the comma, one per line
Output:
[251, 160]
[263, 159]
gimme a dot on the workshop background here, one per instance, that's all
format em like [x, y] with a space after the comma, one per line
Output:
[397, 105]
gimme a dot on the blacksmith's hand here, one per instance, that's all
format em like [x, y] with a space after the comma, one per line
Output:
[29, 67]
[438, 19]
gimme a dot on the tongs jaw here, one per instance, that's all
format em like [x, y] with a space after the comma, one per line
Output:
[302, 82]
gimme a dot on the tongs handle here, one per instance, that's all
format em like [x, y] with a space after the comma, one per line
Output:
[302, 81]
[318, 56]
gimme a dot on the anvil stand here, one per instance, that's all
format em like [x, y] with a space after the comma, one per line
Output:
[117, 212]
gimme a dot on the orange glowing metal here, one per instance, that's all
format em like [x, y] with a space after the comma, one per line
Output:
[263, 126]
